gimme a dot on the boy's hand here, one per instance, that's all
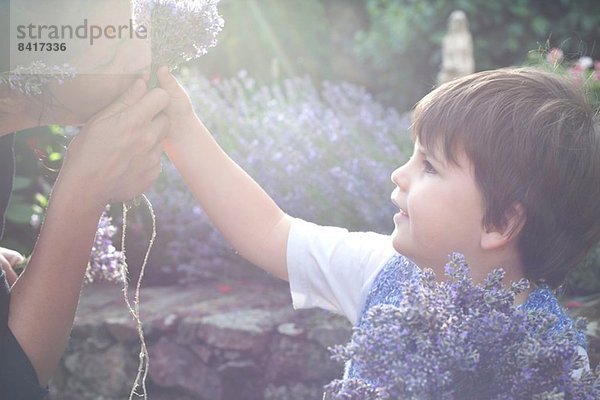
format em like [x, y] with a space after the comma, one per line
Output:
[180, 110]
[9, 259]
[117, 154]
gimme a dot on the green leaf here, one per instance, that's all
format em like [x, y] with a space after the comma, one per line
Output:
[41, 200]
[56, 130]
[54, 156]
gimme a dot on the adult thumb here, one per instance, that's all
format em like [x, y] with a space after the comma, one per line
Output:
[130, 97]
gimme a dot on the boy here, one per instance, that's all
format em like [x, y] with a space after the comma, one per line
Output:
[505, 170]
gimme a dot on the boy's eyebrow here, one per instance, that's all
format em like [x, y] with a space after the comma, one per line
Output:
[431, 156]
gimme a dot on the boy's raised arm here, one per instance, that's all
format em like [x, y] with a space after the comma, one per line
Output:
[246, 216]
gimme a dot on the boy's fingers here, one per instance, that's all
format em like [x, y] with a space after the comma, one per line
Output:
[167, 81]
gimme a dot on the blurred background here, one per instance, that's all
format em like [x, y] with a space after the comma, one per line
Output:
[313, 99]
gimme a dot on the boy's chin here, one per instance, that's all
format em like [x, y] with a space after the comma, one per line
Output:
[397, 243]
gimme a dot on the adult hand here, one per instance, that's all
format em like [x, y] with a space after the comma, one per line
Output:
[117, 153]
[9, 259]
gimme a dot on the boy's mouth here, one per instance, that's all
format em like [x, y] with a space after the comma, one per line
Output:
[403, 213]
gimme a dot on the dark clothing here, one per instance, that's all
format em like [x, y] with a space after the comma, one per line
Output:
[7, 172]
[18, 380]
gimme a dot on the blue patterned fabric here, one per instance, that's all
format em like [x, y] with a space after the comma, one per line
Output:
[385, 290]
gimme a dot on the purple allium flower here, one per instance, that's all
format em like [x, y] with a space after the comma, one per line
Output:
[180, 30]
[458, 340]
[31, 79]
[106, 262]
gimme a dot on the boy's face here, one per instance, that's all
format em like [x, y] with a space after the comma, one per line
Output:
[441, 209]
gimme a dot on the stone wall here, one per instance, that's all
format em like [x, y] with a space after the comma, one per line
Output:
[215, 340]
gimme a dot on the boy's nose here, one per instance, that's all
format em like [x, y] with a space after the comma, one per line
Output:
[400, 179]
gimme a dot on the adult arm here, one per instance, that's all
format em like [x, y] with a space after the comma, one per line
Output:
[115, 157]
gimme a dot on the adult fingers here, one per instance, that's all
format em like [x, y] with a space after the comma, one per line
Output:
[161, 125]
[11, 275]
[150, 105]
[12, 256]
[146, 138]
[130, 97]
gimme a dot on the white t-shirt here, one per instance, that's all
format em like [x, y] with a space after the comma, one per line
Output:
[332, 268]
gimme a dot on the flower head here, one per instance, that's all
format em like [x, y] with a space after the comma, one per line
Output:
[180, 30]
[106, 262]
[30, 80]
[585, 62]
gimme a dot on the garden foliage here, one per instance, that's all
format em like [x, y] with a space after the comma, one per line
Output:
[403, 41]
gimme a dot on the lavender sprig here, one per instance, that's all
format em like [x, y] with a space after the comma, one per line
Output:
[106, 262]
[180, 30]
[457, 340]
[30, 80]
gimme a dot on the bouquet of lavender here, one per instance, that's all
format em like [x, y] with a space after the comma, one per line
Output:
[180, 30]
[457, 340]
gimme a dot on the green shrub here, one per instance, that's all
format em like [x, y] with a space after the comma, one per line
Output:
[403, 41]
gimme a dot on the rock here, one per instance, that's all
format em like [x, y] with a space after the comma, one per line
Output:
[295, 360]
[176, 367]
[202, 351]
[122, 329]
[241, 380]
[290, 329]
[330, 331]
[106, 373]
[204, 343]
[239, 330]
[298, 391]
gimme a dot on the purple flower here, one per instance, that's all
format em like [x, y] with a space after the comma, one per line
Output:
[180, 30]
[106, 262]
[458, 340]
[30, 80]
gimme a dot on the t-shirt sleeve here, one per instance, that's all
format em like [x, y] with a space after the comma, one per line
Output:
[332, 268]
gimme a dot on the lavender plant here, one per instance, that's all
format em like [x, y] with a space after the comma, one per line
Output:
[31, 79]
[324, 154]
[106, 262]
[180, 30]
[458, 340]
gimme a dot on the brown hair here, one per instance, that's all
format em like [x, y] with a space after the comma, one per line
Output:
[532, 140]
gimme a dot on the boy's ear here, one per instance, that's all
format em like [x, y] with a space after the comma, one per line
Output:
[498, 237]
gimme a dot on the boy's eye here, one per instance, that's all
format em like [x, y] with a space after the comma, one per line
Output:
[428, 168]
